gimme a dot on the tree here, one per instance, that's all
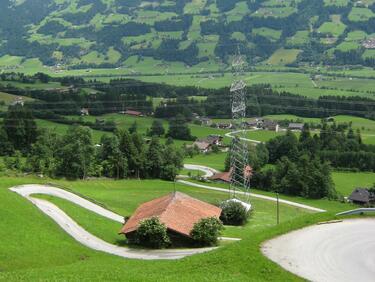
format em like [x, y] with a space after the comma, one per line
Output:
[151, 233]
[113, 160]
[154, 158]
[178, 129]
[128, 149]
[43, 155]
[233, 213]
[206, 231]
[133, 128]
[172, 162]
[6, 147]
[76, 153]
[20, 127]
[157, 128]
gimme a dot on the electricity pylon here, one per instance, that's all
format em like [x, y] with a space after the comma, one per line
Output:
[240, 170]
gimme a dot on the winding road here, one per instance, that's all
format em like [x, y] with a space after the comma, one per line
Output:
[341, 252]
[86, 238]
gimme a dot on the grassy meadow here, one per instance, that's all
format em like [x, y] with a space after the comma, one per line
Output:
[35, 248]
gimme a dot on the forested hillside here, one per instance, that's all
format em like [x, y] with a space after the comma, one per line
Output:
[118, 33]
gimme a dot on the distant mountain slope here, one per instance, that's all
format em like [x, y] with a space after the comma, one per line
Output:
[109, 33]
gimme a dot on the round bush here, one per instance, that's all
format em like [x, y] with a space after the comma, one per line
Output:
[233, 213]
[152, 233]
[206, 231]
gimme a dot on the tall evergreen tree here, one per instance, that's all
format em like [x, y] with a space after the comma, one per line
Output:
[20, 127]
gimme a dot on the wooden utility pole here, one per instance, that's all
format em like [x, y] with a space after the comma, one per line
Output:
[278, 209]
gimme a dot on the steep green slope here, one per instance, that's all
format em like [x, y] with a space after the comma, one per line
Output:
[174, 35]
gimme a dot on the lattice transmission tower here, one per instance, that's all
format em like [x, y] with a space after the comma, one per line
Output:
[240, 170]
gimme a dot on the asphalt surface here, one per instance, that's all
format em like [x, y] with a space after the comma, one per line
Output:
[342, 252]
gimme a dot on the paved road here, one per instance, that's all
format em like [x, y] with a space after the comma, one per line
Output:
[339, 252]
[259, 196]
[207, 170]
[86, 238]
[230, 135]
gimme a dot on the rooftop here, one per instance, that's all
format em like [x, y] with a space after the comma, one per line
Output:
[178, 211]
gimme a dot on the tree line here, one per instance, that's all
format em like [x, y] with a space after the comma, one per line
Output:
[75, 155]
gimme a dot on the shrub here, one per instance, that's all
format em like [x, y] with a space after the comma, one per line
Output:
[233, 213]
[206, 231]
[152, 233]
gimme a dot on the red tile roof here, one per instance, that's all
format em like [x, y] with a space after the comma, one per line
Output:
[222, 176]
[133, 113]
[178, 211]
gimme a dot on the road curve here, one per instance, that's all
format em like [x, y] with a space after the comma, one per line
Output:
[86, 238]
[230, 135]
[208, 172]
[343, 251]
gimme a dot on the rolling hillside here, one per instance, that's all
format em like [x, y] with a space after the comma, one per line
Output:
[176, 35]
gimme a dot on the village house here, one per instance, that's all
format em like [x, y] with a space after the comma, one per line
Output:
[132, 113]
[223, 177]
[205, 121]
[18, 101]
[296, 126]
[179, 212]
[224, 125]
[254, 123]
[362, 196]
[205, 145]
[84, 112]
[270, 125]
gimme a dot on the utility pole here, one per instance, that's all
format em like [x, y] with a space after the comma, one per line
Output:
[278, 208]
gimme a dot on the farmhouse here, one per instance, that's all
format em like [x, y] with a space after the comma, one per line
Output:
[270, 125]
[362, 196]
[85, 112]
[179, 212]
[205, 145]
[296, 126]
[132, 113]
[221, 177]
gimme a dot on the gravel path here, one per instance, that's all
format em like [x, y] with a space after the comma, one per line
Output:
[86, 238]
[343, 251]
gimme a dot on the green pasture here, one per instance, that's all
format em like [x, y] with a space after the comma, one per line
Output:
[45, 252]
[346, 182]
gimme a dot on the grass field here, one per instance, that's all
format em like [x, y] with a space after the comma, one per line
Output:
[346, 182]
[215, 161]
[283, 57]
[44, 252]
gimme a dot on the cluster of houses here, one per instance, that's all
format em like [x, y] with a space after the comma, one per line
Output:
[256, 123]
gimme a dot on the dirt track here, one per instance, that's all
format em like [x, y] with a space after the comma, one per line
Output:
[342, 251]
